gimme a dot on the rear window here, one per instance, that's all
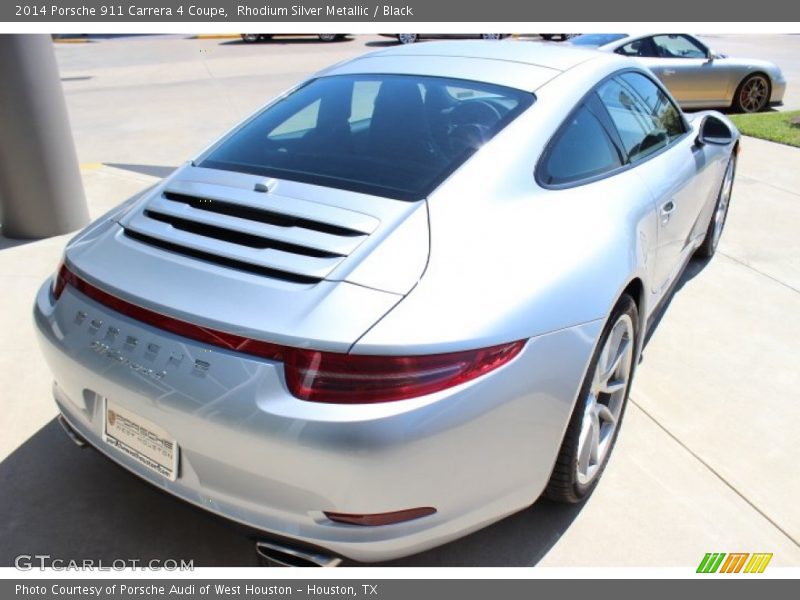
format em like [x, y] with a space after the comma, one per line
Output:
[396, 136]
[597, 39]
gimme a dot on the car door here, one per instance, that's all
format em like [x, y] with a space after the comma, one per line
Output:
[662, 152]
[683, 64]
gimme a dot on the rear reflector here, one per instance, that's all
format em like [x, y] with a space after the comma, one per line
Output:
[389, 518]
[324, 376]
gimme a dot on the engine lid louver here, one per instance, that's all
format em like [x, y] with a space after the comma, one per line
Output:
[268, 234]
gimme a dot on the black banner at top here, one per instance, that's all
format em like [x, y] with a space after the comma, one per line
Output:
[468, 11]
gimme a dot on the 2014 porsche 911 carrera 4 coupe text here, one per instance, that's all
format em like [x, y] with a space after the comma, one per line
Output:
[398, 303]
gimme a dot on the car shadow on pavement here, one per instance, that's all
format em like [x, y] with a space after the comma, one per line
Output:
[692, 269]
[74, 504]
[282, 41]
[382, 43]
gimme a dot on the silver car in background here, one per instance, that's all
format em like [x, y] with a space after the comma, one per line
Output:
[696, 75]
[398, 303]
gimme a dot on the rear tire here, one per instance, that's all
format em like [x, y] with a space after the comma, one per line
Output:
[597, 416]
[717, 223]
[328, 37]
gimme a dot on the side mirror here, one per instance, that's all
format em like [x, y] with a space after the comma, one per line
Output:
[714, 131]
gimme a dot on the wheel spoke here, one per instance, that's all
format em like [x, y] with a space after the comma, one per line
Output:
[595, 449]
[621, 353]
[604, 412]
[612, 386]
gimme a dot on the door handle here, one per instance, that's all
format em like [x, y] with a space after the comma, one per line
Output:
[666, 211]
[668, 72]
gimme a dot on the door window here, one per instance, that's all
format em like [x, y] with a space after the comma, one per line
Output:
[644, 116]
[677, 46]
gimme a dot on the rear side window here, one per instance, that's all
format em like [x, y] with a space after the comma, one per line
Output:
[396, 136]
[582, 149]
[642, 47]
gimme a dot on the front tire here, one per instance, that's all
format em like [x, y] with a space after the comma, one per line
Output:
[329, 37]
[598, 412]
[251, 38]
[753, 94]
[715, 227]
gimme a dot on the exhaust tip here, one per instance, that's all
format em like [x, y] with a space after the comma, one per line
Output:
[71, 433]
[277, 555]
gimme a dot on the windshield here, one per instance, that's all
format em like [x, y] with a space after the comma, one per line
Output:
[396, 136]
[597, 39]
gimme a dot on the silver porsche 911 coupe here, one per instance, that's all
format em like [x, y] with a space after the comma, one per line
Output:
[401, 301]
[696, 75]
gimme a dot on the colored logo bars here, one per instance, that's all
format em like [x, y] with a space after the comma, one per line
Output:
[736, 562]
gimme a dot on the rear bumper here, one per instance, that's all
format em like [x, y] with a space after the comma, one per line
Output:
[251, 452]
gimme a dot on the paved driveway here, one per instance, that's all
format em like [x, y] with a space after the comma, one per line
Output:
[706, 459]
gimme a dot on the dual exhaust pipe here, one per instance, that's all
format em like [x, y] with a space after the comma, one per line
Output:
[76, 437]
[272, 554]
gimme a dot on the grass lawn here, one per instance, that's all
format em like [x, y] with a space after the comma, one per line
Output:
[772, 126]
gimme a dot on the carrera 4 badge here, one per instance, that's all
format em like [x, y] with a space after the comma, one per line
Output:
[108, 352]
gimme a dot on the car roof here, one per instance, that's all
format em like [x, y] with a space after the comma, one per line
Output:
[522, 65]
[550, 56]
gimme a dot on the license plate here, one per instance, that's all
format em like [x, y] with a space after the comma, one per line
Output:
[145, 442]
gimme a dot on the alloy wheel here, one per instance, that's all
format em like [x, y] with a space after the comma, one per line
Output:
[407, 38]
[603, 404]
[753, 95]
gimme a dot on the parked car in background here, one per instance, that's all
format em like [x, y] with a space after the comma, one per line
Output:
[252, 38]
[410, 38]
[697, 76]
[396, 304]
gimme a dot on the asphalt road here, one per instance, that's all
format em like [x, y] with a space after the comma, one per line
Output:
[705, 459]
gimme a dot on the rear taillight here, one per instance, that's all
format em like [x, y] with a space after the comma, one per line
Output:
[361, 379]
[60, 280]
[324, 376]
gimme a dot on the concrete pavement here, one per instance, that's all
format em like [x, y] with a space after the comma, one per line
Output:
[706, 456]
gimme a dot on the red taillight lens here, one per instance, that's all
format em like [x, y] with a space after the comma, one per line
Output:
[375, 520]
[324, 376]
[60, 280]
[361, 379]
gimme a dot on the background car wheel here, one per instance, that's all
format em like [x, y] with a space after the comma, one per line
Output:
[753, 94]
[492, 36]
[598, 412]
[328, 37]
[407, 38]
[251, 38]
[717, 223]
